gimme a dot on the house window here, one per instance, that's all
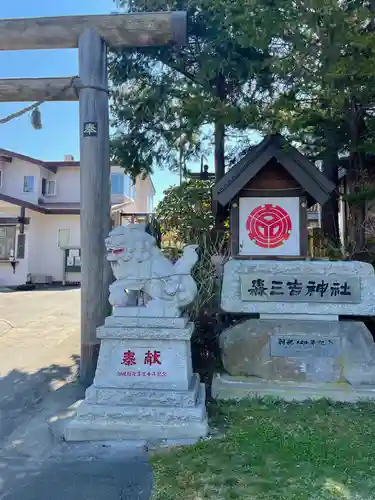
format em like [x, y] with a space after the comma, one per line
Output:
[1, 178]
[48, 187]
[63, 238]
[150, 203]
[132, 191]
[127, 189]
[51, 188]
[117, 184]
[7, 241]
[28, 183]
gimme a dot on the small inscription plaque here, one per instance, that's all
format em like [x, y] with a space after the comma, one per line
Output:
[141, 363]
[300, 288]
[90, 129]
[295, 346]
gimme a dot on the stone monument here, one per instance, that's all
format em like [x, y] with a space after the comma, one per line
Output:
[298, 341]
[144, 387]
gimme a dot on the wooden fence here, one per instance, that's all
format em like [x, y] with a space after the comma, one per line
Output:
[318, 246]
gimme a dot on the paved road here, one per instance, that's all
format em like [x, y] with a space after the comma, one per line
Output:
[39, 348]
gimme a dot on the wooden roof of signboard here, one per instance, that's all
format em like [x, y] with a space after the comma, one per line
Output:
[308, 176]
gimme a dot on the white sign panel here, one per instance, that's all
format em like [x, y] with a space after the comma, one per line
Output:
[269, 226]
[138, 363]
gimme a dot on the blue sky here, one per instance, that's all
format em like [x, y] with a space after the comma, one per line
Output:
[59, 135]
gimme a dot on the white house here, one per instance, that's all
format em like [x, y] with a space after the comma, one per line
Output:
[39, 216]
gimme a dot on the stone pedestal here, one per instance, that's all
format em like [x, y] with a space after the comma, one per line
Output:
[144, 387]
[226, 387]
[300, 351]
[297, 360]
[299, 348]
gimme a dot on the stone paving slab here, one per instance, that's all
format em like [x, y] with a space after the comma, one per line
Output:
[36, 464]
[115, 479]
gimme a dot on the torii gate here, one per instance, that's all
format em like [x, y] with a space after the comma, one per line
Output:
[91, 35]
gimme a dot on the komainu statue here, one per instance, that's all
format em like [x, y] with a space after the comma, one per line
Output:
[140, 266]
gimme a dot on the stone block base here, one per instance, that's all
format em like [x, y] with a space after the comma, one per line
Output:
[170, 416]
[145, 396]
[301, 352]
[225, 387]
[104, 431]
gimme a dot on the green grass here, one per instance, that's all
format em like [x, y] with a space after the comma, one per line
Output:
[275, 450]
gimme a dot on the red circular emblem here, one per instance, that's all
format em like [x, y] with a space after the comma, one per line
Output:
[268, 226]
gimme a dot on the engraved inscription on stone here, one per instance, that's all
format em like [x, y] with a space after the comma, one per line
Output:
[295, 346]
[333, 288]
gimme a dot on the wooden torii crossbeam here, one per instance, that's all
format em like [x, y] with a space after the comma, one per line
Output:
[118, 30]
[91, 35]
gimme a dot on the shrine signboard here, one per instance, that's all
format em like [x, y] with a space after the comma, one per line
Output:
[300, 288]
[296, 287]
[269, 227]
[267, 195]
